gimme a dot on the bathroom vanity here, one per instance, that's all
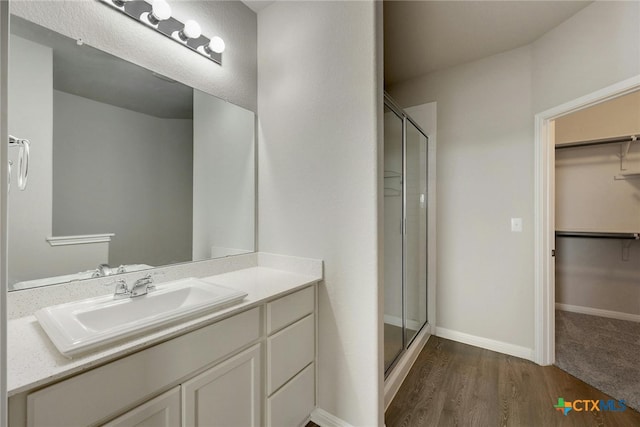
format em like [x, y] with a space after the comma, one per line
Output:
[145, 167]
[251, 364]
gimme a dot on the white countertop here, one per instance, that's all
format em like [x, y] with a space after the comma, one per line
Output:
[33, 361]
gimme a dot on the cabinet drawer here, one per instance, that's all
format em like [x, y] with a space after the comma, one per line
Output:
[293, 403]
[288, 351]
[287, 310]
[108, 390]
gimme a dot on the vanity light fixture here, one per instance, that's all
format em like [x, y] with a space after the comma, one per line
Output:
[156, 14]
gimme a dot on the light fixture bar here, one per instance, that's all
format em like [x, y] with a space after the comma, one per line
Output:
[142, 11]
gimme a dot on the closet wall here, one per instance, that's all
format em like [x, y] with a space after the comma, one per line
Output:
[592, 194]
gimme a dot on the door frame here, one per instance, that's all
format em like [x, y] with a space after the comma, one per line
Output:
[544, 205]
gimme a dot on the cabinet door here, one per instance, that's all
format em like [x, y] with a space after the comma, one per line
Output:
[163, 411]
[227, 395]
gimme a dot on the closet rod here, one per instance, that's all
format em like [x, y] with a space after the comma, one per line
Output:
[598, 235]
[603, 141]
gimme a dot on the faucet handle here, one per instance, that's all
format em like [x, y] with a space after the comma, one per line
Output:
[121, 290]
[151, 286]
[152, 276]
[148, 278]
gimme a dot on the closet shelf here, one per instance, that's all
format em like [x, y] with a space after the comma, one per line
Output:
[392, 174]
[598, 235]
[603, 141]
[626, 175]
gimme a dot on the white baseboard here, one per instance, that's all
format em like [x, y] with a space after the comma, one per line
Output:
[489, 344]
[399, 373]
[598, 312]
[325, 419]
[397, 321]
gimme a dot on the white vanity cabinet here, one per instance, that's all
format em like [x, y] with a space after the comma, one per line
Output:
[254, 368]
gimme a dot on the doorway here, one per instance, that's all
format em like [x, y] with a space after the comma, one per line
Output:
[545, 221]
[597, 262]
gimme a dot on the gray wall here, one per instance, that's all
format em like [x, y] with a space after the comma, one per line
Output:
[486, 161]
[320, 110]
[102, 27]
[136, 179]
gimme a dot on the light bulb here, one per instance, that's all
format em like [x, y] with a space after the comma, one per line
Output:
[191, 30]
[216, 45]
[160, 11]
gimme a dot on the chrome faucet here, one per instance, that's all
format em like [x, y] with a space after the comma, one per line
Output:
[140, 287]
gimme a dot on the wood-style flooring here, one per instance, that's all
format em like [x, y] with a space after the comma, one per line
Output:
[453, 384]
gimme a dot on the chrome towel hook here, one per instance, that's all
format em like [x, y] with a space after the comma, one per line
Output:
[9, 177]
[23, 161]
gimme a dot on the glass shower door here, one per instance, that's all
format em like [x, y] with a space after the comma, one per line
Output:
[415, 288]
[393, 296]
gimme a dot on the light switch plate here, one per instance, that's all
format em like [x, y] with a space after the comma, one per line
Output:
[516, 225]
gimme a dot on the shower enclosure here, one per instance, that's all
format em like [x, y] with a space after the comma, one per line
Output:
[405, 231]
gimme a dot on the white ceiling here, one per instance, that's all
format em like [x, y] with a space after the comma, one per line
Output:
[424, 36]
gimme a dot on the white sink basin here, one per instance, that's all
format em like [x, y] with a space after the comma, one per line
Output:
[83, 325]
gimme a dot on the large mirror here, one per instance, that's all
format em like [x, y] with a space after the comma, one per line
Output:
[127, 170]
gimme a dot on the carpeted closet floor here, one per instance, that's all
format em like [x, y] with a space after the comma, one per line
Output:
[602, 352]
